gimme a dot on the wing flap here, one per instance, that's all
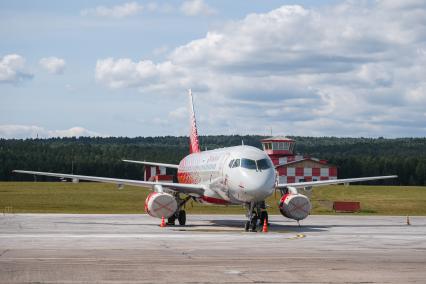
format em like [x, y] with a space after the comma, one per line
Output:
[334, 181]
[152, 164]
[190, 189]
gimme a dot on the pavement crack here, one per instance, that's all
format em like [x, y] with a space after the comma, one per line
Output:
[3, 252]
[187, 255]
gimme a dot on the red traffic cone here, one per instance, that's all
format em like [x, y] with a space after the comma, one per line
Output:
[265, 226]
[163, 222]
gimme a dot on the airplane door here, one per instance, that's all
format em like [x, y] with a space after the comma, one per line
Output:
[224, 173]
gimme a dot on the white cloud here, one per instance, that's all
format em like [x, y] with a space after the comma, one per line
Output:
[356, 68]
[179, 113]
[417, 95]
[196, 8]
[53, 65]
[126, 73]
[33, 131]
[76, 131]
[160, 7]
[118, 11]
[13, 69]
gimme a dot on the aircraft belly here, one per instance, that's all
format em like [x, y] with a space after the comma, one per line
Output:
[212, 197]
[214, 193]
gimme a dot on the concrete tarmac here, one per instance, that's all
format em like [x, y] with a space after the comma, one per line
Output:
[71, 248]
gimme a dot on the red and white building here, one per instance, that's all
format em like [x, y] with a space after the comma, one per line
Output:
[296, 168]
[150, 172]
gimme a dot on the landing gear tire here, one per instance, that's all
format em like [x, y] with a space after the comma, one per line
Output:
[256, 215]
[171, 220]
[247, 226]
[263, 218]
[254, 224]
[182, 217]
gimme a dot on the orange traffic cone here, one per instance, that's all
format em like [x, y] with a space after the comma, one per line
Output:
[265, 226]
[163, 222]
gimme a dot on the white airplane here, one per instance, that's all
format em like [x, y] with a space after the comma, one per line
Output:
[239, 175]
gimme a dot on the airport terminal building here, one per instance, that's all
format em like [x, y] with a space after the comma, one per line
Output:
[296, 168]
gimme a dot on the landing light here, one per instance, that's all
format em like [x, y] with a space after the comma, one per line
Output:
[308, 188]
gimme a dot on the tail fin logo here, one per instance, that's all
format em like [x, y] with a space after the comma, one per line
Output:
[193, 136]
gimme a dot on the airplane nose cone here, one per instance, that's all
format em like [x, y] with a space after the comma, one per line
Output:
[260, 185]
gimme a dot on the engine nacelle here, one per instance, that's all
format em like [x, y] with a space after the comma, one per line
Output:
[160, 204]
[295, 206]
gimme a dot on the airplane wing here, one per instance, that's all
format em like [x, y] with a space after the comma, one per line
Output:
[152, 164]
[329, 182]
[190, 189]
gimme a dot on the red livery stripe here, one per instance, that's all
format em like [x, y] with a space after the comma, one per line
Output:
[214, 200]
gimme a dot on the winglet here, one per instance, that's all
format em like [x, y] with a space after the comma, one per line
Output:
[194, 146]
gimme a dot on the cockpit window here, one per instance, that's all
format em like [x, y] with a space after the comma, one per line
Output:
[231, 163]
[263, 164]
[234, 163]
[237, 163]
[248, 164]
[259, 165]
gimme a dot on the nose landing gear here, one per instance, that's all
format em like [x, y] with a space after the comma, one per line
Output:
[251, 225]
[256, 215]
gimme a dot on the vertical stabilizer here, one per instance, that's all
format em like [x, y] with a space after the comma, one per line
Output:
[194, 146]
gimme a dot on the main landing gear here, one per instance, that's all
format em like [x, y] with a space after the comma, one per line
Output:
[256, 215]
[180, 213]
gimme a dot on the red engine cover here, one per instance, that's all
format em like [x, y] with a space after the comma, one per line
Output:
[160, 204]
[295, 206]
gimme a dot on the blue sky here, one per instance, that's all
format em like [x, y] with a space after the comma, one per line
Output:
[121, 68]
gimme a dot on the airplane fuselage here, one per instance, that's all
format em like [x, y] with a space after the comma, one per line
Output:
[233, 175]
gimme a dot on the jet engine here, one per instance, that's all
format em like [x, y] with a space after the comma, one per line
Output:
[295, 206]
[160, 204]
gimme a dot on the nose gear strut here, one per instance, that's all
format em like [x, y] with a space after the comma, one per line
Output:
[256, 216]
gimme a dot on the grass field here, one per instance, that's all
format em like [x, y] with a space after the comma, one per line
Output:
[61, 197]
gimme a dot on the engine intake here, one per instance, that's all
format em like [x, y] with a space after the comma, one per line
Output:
[160, 204]
[295, 206]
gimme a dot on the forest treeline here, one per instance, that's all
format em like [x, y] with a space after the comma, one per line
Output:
[354, 157]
